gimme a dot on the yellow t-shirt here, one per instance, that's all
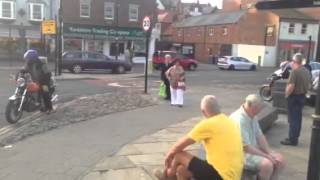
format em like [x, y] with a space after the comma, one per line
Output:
[222, 140]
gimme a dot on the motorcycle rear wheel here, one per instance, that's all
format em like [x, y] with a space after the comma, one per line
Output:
[265, 93]
[12, 113]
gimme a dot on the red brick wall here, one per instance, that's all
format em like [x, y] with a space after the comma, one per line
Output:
[71, 12]
[230, 38]
[252, 27]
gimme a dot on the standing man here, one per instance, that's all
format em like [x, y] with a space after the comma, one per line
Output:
[222, 140]
[258, 155]
[297, 87]
[164, 68]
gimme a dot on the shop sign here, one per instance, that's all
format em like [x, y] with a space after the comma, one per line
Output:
[49, 27]
[87, 30]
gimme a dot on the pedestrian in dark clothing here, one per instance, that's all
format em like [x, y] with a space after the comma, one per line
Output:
[298, 84]
[41, 75]
[164, 68]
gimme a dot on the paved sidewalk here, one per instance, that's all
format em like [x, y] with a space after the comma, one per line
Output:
[138, 159]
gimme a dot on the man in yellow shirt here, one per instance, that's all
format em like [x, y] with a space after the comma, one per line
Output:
[223, 145]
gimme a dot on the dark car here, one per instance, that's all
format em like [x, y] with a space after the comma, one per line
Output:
[186, 62]
[77, 61]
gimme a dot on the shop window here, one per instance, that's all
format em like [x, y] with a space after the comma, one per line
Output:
[113, 48]
[109, 10]
[291, 28]
[225, 31]
[36, 11]
[304, 28]
[85, 8]
[7, 9]
[133, 12]
[73, 44]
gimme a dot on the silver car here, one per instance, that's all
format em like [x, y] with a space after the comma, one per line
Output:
[236, 63]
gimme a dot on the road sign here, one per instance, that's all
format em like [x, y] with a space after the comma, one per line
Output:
[146, 23]
[49, 27]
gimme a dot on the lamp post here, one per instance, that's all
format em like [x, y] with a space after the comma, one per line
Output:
[117, 26]
[314, 158]
[60, 39]
[309, 50]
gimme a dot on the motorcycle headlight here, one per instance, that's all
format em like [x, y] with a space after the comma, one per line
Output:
[21, 82]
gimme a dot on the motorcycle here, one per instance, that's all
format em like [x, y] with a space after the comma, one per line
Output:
[265, 89]
[27, 97]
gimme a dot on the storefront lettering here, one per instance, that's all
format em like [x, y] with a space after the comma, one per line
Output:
[102, 31]
[80, 30]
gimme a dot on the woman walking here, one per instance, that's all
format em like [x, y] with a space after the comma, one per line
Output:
[176, 77]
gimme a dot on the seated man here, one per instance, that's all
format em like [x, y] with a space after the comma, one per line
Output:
[258, 156]
[222, 140]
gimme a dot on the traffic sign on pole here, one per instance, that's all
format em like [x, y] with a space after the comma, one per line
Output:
[146, 26]
[146, 23]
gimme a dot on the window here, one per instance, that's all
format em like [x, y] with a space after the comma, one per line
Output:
[109, 10]
[85, 8]
[36, 11]
[270, 30]
[211, 31]
[70, 56]
[7, 10]
[291, 28]
[225, 31]
[133, 12]
[304, 29]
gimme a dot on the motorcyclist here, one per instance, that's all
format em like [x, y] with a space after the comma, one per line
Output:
[40, 74]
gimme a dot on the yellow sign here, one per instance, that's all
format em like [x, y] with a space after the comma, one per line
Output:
[49, 27]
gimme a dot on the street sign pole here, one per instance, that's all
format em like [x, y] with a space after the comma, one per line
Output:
[146, 25]
[146, 65]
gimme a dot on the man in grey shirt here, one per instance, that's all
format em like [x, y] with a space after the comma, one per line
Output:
[298, 84]
[258, 155]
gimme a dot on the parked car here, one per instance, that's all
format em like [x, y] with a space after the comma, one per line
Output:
[139, 58]
[186, 62]
[77, 61]
[236, 63]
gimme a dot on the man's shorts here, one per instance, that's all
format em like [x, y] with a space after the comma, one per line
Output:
[201, 170]
[252, 162]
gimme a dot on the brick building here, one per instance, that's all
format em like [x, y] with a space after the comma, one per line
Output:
[103, 25]
[240, 30]
[20, 22]
[315, 13]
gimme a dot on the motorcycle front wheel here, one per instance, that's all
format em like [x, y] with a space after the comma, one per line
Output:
[265, 93]
[13, 115]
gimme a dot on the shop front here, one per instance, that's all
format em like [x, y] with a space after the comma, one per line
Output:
[106, 40]
[288, 49]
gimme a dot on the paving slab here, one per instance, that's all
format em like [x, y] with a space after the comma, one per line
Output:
[113, 163]
[121, 174]
[148, 159]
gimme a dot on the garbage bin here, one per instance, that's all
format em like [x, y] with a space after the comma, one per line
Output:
[278, 96]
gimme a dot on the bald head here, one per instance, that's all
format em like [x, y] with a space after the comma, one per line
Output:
[210, 105]
[298, 58]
